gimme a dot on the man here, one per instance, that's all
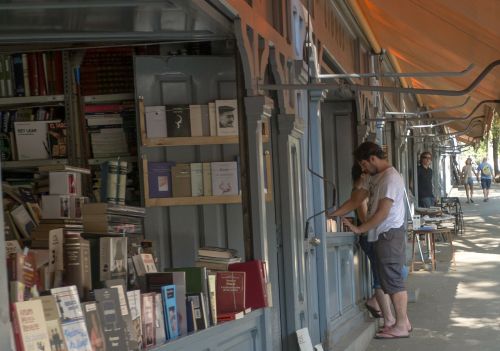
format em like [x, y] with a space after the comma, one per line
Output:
[424, 177]
[487, 175]
[386, 214]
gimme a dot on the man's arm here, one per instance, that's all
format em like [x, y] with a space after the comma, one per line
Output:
[357, 198]
[383, 208]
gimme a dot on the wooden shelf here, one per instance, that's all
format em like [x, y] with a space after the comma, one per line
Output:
[205, 140]
[24, 100]
[198, 200]
[33, 163]
[95, 99]
[98, 161]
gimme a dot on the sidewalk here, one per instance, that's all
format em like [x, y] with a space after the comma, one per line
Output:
[459, 308]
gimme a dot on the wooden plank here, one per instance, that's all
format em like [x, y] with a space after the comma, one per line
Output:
[186, 141]
[198, 200]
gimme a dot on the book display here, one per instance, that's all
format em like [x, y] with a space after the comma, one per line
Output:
[81, 275]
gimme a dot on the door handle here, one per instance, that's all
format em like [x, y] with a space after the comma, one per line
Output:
[315, 241]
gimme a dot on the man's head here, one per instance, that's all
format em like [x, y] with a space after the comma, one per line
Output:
[425, 159]
[485, 159]
[371, 157]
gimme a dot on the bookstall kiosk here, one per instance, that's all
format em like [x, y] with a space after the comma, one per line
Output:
[187, 223]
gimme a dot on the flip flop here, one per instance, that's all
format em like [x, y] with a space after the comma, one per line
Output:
[387, 335]
[384, 329]
[375, 313]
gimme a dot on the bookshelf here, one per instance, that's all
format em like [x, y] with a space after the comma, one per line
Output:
[30, 100]
[33, 163]
[191, 141]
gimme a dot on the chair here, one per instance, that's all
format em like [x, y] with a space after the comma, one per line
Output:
[452, 206]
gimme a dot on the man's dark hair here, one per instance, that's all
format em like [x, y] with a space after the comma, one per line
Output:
[356, 171]
[368, 149]
[424, 155]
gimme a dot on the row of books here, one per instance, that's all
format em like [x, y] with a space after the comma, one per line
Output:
[107, 71]
[218, 118]
[170, 179]
[31, 74]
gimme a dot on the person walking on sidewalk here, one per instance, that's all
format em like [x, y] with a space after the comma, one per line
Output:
[424, 177]
[379, 304]
[487, 175]
[467, 175]
[385, 227]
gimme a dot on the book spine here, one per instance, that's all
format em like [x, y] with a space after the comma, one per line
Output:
[42, 84]
[17, 65]
[33, 75]
[112, 182]
[26, 74]
[207, 179]
[8, 75]
[122, 182]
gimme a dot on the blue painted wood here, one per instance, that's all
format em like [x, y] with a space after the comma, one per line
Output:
[240, 335]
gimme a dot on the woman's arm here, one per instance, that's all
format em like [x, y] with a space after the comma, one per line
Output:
[357, 198]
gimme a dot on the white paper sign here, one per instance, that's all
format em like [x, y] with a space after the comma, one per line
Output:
[304, 340]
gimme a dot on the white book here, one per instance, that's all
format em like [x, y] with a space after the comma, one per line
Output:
[156, 122]
[226, 112]
[207, 179]
[304, 340]
[26, 75]
[23, 221]
[224, 178]
[134, 302]
[196, 179]
[160, 320]
[212, 119]
[31, 140]
[30, 321]
[196, 120]
[144, 263]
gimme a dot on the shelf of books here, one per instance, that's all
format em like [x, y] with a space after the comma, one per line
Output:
[27, 100]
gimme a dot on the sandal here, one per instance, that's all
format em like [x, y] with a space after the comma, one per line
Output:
[374, 312]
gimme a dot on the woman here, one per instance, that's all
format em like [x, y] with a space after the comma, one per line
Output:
[378, 305]
[467, 175]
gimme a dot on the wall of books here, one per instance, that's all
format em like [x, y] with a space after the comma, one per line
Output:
[88, 267]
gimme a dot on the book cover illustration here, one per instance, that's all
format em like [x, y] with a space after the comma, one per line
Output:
[113, 258]
[198, 306]
[30, 325]
[159, 320]
[170, 311]
[134, 302]
[57, 140]
[160, 179]
[148, 319]
[113, 326]
[224, 178]
[94, 327]
[178, 122]
[31, 140]
[227, 117]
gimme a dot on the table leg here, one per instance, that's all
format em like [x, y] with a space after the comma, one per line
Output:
[413, 252]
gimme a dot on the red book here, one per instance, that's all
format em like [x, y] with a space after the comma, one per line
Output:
[42, 81]
[256, 287]
[230, 292]
[224, 317]
[33, 74]
[57, 59]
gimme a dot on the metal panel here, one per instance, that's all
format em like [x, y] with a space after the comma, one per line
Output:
[189, 79]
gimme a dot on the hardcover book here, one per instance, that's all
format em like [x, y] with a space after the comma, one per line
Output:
[144, 263]
[24, 223]
[227, 117]
[178, 123]
[113, 326]
[30, 326]
[212, 118]
[196, 120]
[255, 283]
[156, 122]
[77, 264]
[181, 180]
[65, 183]
[148, 319]
[170, 311]
[230, 292]
[160, 179]
[57, 140]
[224, 178]
[207, 179]
[196, 179]
[94, 326]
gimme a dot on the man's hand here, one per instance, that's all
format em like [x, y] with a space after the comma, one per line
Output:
[351, 226]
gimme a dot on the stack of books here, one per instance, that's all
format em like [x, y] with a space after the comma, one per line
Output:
[216, 258]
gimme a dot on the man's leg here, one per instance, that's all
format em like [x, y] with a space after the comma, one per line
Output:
[385, 306]
[400, 302]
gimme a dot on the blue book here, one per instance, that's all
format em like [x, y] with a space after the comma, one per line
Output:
[160, 179]
[170, 311]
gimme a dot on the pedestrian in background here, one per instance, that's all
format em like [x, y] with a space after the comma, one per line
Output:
[468, 172]
[487, 174]
[424, 178]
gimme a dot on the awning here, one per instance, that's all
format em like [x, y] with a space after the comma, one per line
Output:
[442, 35]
